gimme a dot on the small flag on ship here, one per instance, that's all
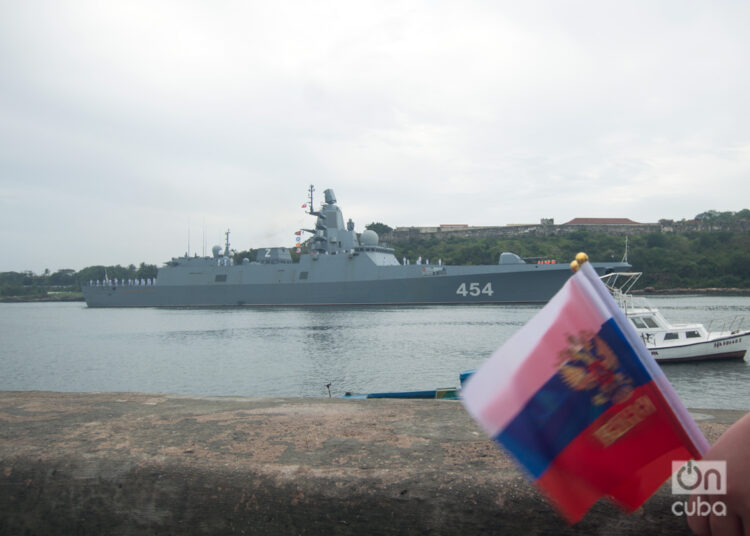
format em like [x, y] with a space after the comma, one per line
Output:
[584, 409]
[304, 205]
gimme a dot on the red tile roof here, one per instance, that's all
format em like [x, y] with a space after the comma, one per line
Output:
[601, 221]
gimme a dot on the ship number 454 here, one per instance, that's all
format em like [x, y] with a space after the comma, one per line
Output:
[474, 289]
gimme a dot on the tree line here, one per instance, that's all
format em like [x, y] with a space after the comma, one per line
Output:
[691, 260]
[30, 285]
[668, 261]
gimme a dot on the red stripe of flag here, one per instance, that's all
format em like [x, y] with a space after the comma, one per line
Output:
[625, 454]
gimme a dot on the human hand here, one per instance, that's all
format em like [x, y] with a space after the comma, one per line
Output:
[734, 447]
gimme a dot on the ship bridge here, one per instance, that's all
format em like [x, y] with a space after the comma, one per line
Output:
[330, 235]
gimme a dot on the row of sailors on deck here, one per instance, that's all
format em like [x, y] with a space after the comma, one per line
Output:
[419, 261]
[123, 282]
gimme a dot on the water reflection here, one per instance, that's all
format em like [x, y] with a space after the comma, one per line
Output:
[297, 351]
[721, 384]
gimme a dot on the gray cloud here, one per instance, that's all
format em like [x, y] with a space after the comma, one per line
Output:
[122, 122]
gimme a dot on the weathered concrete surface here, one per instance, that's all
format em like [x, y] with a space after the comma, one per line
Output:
[158, 464]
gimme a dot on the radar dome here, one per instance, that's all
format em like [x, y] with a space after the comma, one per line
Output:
[216, 250]
[369, 238]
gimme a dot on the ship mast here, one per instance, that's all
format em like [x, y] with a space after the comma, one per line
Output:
[310, 195]
[318, 225]
[226, 247]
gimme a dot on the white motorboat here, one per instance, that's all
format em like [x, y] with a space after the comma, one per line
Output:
[676, 342]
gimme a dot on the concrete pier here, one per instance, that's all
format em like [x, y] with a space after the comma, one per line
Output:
[164, 464]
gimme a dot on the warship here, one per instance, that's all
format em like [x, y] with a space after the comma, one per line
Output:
[339, 267]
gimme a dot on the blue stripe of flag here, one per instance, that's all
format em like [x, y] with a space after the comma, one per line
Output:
[557, 413]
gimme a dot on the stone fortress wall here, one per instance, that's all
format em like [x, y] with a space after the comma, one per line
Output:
[547, 227]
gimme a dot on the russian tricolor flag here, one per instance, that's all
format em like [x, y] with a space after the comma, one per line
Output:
[578, 400]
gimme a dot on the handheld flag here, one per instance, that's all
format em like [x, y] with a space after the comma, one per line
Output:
[578, 400]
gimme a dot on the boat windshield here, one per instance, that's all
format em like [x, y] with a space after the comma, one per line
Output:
[644, 322]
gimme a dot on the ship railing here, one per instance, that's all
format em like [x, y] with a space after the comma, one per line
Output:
[628, 302]
[619, 284]
[730, 325]
[433, 270]
[137, 282]
[621, 281]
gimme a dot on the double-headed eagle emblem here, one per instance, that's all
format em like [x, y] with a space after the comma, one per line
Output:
[589, 363]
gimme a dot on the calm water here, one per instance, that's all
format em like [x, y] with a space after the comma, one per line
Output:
[297, 351]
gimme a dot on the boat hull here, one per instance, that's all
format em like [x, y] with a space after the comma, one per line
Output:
[450, 393]
[717, 349]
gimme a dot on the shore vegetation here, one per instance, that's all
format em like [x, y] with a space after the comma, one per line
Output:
[716, 259]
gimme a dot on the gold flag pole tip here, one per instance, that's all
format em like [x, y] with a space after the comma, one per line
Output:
[580, 259]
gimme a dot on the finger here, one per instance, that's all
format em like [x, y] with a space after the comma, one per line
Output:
[699, 525]
[727, 525]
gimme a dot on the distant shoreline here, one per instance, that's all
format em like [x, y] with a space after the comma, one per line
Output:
[703, 291]
[650, 291]
[73, 297]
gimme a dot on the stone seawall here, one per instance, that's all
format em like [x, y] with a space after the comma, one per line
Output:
[163, 464]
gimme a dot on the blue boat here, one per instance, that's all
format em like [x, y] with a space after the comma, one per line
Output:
[445, 393]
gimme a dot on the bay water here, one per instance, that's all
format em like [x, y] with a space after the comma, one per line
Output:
[299, 352]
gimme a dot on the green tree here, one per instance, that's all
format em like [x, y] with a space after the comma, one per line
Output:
[146, 271]
[379, 228]
[65, 277]
[245, 254]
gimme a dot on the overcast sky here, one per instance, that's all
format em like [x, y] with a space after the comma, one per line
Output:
[124, 126]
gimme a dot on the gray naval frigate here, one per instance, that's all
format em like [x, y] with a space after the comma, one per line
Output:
[339, 268]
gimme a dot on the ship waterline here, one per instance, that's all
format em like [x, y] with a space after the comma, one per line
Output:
[342, 268]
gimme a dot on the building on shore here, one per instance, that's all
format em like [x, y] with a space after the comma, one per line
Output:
[547, 227]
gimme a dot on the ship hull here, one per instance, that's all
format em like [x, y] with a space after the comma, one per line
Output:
[399, 286]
